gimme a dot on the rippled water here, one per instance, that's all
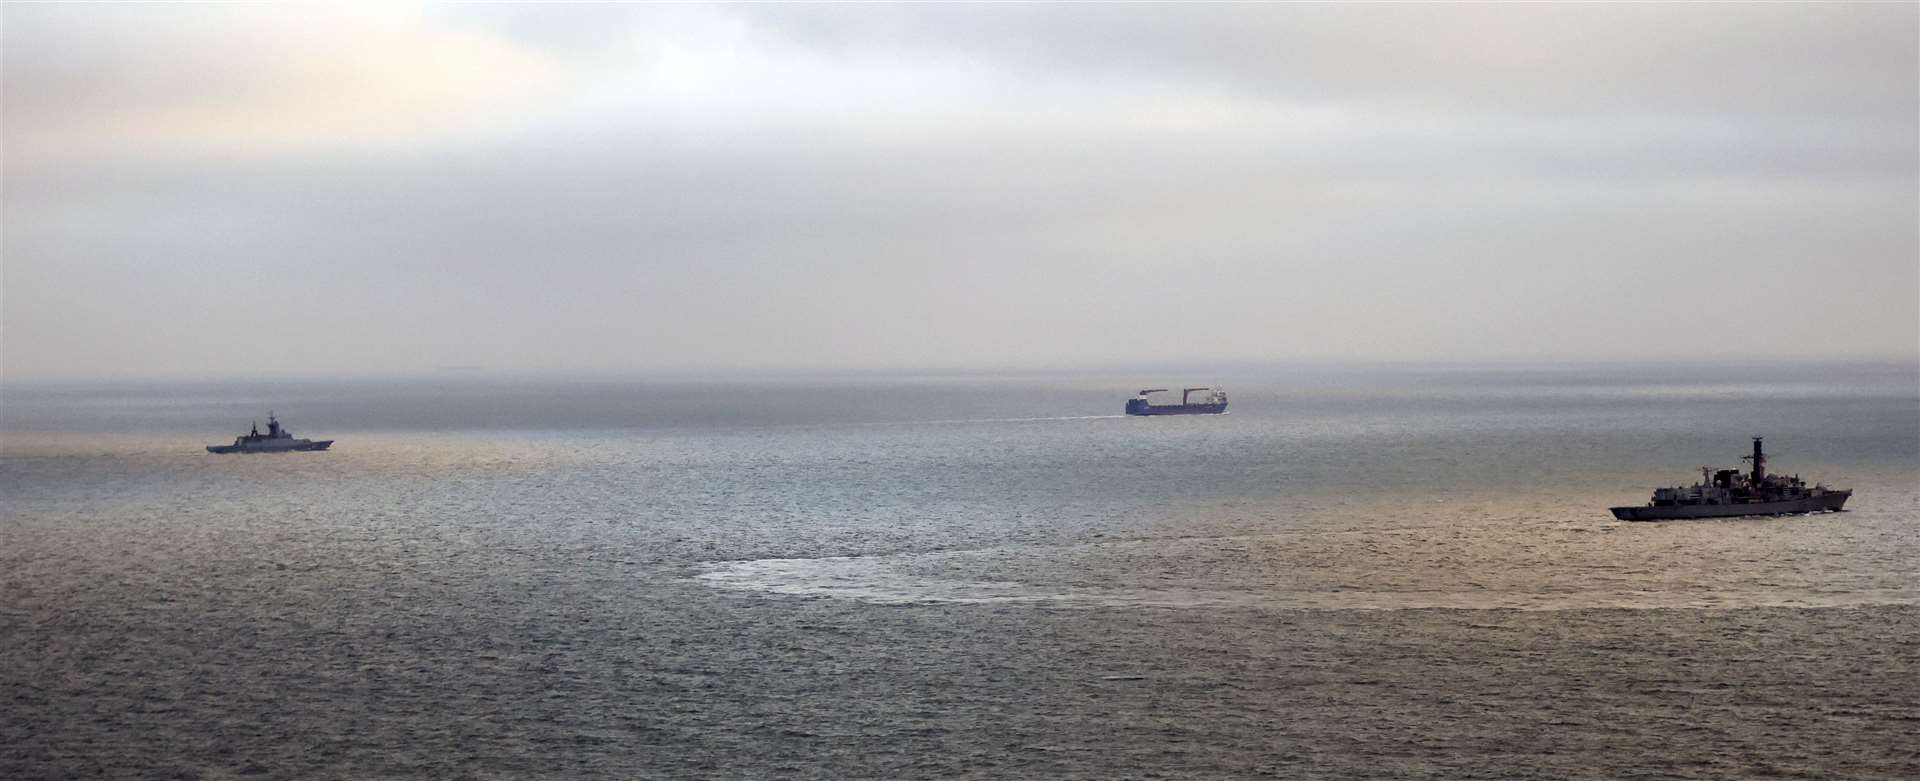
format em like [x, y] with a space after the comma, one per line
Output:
[1357, 572]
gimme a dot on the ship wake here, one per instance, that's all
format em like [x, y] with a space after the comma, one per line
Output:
[1121, 574]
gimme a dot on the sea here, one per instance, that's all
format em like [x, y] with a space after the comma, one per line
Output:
[1358, 571]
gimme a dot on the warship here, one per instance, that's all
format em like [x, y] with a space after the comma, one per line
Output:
[278, 439]
[1213, 403]
[1728, 493]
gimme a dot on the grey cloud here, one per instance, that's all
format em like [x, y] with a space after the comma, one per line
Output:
[1583, 58]
[102, 82]
[1100, 184]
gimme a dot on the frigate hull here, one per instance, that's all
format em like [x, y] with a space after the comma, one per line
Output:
[1827, 502]
[272, 447]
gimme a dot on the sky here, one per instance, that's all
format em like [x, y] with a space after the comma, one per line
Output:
[237, 190]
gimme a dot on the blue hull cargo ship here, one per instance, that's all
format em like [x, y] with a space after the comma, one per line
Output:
[1729, 494]
[1213, 403]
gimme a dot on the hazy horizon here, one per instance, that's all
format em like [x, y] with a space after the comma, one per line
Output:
[1172, 371]
[236, 191]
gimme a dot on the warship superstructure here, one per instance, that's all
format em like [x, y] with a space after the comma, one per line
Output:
[1728, 493]
[1214, 403]
[278, 439]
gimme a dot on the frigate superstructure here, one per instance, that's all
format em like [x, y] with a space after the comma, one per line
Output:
[278, 439]
[1727, 493]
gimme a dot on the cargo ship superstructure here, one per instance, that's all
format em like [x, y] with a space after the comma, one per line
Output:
[1214, 403]
[1728, 493]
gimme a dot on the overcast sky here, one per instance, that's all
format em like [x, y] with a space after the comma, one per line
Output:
[218, 191]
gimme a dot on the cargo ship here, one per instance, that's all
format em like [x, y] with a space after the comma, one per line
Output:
[1214, 403]
[1727, 494]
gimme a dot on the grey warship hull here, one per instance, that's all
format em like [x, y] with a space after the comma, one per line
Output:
[1828, 502]
[289, 447]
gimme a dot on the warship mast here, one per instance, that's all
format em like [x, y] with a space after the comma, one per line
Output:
[1759, 460]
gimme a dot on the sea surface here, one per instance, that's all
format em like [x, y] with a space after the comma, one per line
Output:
[1358, 572]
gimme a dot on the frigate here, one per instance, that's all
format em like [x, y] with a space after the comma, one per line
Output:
[1213, 403]
[278, 439]
[1728, 493]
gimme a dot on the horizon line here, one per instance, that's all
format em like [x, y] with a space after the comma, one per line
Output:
[685, 373]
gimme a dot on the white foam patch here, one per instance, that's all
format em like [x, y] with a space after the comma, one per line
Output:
[865, 578]
[885, 580]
